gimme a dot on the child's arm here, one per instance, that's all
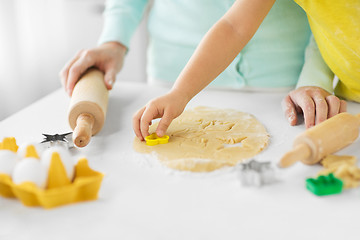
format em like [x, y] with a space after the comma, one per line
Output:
[221, 45]
[215, 52]
[313, 96]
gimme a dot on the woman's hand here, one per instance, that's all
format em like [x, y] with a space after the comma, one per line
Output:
[315, 103]
[108, 58]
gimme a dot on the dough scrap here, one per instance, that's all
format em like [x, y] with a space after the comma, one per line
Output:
[343, 167]
[331, 161]
[204, 139]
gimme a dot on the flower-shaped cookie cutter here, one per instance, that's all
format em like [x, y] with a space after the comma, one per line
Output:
[154, 139]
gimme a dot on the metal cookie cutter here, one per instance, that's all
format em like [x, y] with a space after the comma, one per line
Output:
[256, 173]
[153, 139]
[58, 139]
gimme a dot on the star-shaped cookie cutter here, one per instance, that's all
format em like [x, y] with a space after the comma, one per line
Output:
[57, 139]
[153, 139]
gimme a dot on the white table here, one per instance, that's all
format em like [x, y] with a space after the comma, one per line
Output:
[140, 199]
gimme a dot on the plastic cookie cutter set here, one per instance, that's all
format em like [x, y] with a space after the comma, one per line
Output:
[254, 173]
[153, 139]
[324, 185]
[47, 178]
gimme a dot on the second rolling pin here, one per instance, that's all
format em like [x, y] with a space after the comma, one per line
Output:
[88, 106]
[325, 138]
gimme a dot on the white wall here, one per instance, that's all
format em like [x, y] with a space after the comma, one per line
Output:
[37, 37]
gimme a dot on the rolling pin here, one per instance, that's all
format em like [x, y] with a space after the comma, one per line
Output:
[323, 139]
[88, 105]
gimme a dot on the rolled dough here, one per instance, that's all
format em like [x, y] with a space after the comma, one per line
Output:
[204, 139]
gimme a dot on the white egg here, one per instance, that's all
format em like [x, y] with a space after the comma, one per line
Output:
[8, 160]
[22, 149]
[65, 157]
[30, 170]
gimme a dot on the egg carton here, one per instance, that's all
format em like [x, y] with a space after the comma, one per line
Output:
[60, 189]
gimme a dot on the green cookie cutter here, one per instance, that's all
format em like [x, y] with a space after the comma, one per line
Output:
[324, 185]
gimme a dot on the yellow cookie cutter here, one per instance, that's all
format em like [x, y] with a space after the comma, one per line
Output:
[153, 139]
[60, 190]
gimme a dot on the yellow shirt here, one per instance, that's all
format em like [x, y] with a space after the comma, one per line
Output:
[336, 27]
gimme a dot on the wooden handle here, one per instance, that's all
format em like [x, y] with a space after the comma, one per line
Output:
[299, 153]
[83, 130]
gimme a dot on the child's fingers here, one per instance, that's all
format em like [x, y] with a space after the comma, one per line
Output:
[289, 110]
[145, 121]
[164, 124]
[136, 123]
[85, 61]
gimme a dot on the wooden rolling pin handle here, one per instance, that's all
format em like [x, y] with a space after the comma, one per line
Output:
[83, 130]
[299, 153]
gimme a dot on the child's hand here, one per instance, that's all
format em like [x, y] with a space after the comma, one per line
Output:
[315, 103]
[166, 107]
[107, 57]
